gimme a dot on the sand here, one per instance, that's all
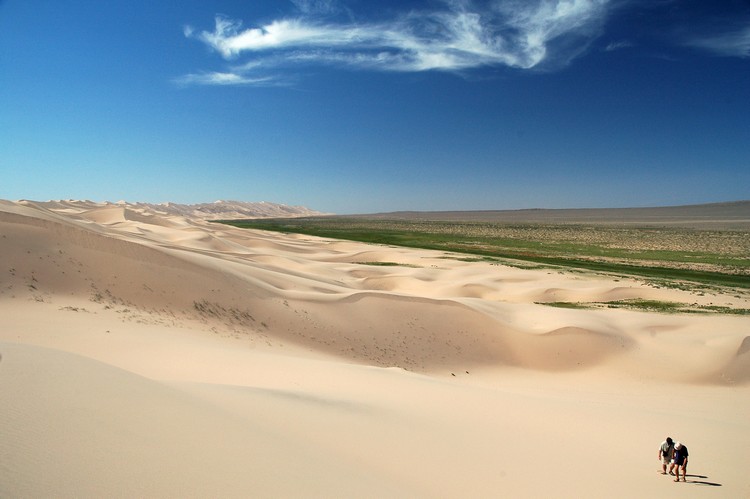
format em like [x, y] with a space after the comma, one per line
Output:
[144, 354]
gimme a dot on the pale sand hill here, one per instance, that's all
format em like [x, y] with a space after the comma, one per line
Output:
[148, 354]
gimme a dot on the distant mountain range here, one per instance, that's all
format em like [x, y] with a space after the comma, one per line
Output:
[219, 210]
[729, 215]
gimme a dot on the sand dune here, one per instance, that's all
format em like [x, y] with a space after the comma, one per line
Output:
[144, 353]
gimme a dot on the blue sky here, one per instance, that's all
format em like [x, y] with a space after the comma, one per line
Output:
[355, 106]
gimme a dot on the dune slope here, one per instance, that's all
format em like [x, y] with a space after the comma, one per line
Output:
[164, 355]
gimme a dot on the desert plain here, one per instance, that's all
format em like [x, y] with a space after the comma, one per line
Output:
[147, 354]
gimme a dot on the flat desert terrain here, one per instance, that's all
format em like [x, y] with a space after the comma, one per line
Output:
[731, 215]
[147, 354]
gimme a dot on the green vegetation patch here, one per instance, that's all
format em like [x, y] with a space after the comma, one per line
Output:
[663, 307]
[389, 264]
[670, 255]
[567, 304]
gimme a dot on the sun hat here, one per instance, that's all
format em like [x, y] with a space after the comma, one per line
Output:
[678, 446]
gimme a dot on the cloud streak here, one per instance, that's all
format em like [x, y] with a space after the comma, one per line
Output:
[461, 36]
[222, 78]
[618, 46]
[732, 44]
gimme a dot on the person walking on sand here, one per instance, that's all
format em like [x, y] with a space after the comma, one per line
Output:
[680, 461]
[666, 452]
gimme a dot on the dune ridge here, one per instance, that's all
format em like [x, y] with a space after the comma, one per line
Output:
[184, 315]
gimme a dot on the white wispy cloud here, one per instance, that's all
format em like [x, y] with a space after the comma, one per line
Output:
[318, 7]
[618, 46]
[459, 36]
[734, 43]
[220, 78]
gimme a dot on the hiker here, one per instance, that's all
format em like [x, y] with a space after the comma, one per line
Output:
[666, 451]
[680, 461]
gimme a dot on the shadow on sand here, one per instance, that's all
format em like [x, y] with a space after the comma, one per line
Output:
[701, 482]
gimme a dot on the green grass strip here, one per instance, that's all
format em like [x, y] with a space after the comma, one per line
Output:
[419, 235]
[664, 307]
